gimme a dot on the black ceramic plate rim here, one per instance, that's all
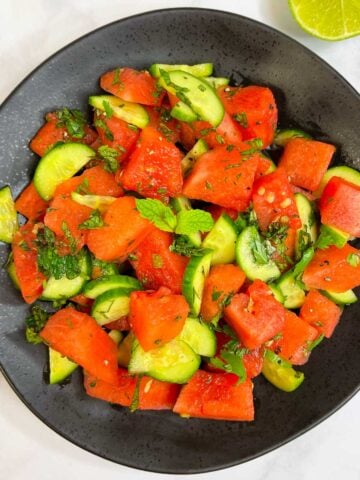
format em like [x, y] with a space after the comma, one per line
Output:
[68, 46]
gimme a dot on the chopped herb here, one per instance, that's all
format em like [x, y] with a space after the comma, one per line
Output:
[157, 213]
[35, 323]
[230, 148]
[109, 155]
[216, 295]
[94, 221]
[206, 131]
[241, 119]
[162, 191]
[182, 246]
[166, 131]
[201, 87]
[136, 397]
[132, 127]
[219, 139]
[83, 188]
[165, 76]
[69, 237]
[101, 124]
[116, 79]
[72, 120]
[108, 110]
[255, 145]
[259, 252]
[208, 185]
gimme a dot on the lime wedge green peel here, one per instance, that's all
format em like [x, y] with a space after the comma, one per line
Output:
[328, 19]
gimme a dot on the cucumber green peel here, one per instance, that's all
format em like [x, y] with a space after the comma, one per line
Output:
[280, 373]
[130, 112]
[59, 164]
[8, 216]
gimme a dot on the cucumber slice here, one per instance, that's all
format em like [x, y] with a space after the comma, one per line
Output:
[196, 93]
[347, 173]
[331, 236]
[217, 82]
[174, 362]
[180, 204]
[199, 336]
[111, 305]
[109, 282]
[8, 216]
[282, 136]
[277, 293]
[60, 367]
[294, 295]
[183, 112]
[343, 298]
[222, 240]
[124, 350]
[63, 288]
[199, 70]
[116, 336]
[58, 165]
[194, 279]
[190, 158]
[280, 372]
[248, 240]
[130, 112]
[12, 272]
[97, 202]
[272, 166]
[309, 226]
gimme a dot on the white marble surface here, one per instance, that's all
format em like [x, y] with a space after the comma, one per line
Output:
[31, 30]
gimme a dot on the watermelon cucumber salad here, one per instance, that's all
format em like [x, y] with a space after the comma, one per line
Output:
[181, 243]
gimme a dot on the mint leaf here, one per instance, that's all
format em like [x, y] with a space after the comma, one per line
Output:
[192, 221]
[157, 213]
[109, 155]
[182, 246]
[73, 121]
[35, 323]
[94, 221]
[108, 110]
[259, 252]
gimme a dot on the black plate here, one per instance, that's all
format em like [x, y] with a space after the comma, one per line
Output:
[310, 94]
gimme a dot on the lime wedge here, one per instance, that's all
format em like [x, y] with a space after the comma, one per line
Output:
[328, 19]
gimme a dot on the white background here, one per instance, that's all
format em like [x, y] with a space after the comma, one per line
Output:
[31, 30]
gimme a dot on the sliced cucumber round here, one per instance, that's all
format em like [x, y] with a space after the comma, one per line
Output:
[174, 362]
[97, 287]
[343, 298]
[248, 242]
[190, 158]
[330, 235]
[347, 173]
[283, 136]
[277, 293]
[199, 70]
[58, 165]
[181, 204]
[222, 240]
[97, 202]
[111, 305]
[8, 216]
[130, 112]
[280, 372]
[294, 295]
[194, 280]
[63, 288]
[199, 336]
[60, 367]
[196, 93]
[217, 82]
[309, 229]
[183, 112]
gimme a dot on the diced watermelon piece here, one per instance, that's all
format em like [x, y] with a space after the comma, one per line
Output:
[77, 336]
[30, 204]
[320, 312]
[305, 161]
[295, 341]
[340, 206]
[153, 394]
[254, 109]
[218, 396]
[256, 319]
[157, 317]
[223, 176]
[155, 265]
[334, 269]
[154, 167]
[274, 201]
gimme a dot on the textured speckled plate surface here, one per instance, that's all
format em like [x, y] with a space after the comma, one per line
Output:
[311, 95]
